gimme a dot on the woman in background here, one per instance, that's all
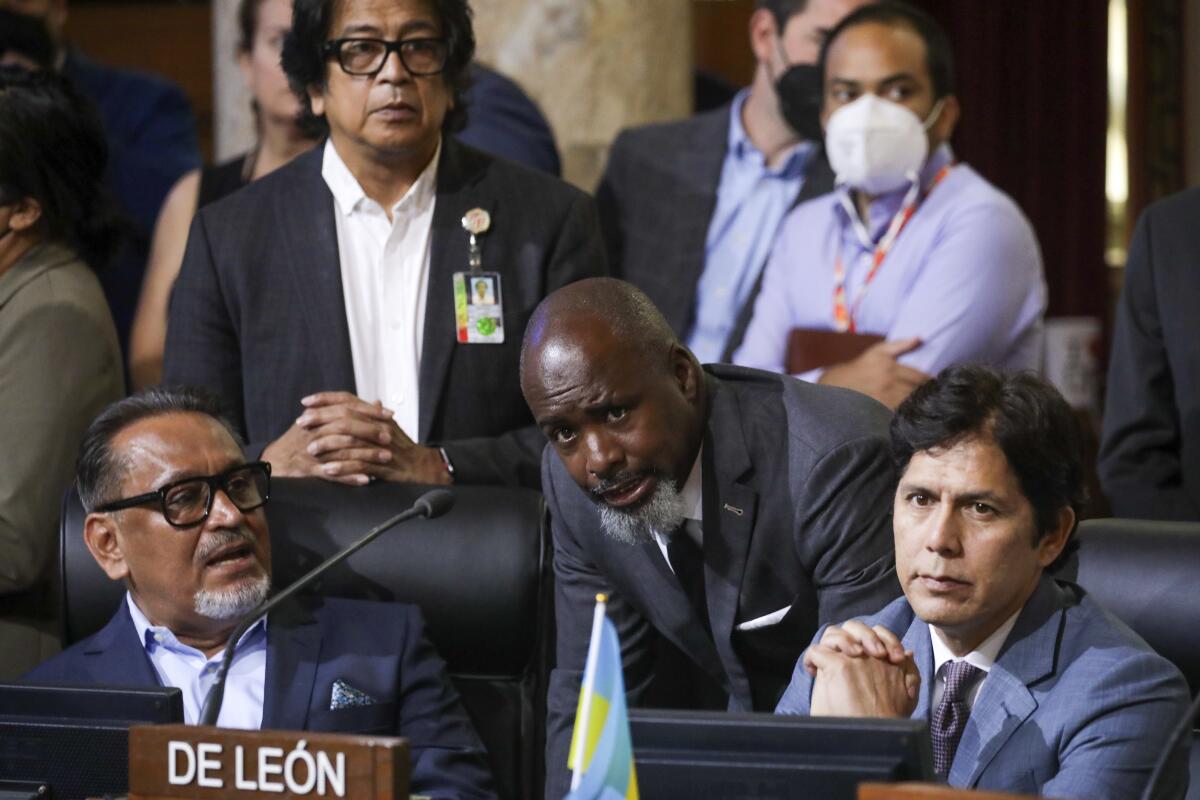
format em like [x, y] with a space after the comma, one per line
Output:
[59, 359]
[262, 24]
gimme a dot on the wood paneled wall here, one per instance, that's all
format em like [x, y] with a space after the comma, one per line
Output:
[171, 39]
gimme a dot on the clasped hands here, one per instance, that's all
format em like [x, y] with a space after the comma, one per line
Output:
[342, 438]
[859, 671]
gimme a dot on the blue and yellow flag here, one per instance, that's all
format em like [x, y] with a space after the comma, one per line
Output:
[601, 753]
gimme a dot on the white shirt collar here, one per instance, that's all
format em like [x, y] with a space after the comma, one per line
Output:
[692, 493]
[982, 656]
[163, 635]
[349, 194]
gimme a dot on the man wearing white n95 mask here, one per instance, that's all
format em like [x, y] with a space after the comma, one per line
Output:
[915, 258]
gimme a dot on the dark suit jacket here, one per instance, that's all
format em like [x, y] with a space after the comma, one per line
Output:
[1076, 705]
[797, 486]
[378, 648]
[1150, 451]
[656, 199]
[151, 137]
[504, 121]
[258, 315]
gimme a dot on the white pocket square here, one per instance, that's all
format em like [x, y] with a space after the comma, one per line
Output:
[346, 696]
[764, 621]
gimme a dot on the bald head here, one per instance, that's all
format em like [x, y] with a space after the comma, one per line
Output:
[621, 400]
[581, 309]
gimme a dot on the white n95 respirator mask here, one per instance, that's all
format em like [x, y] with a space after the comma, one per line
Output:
[877, 146]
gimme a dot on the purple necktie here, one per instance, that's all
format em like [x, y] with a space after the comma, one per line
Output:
[950, 718]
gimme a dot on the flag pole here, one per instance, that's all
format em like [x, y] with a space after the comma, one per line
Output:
[585, 692]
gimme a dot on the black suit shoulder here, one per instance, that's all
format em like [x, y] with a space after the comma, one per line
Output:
[660, 139]
[817, 417]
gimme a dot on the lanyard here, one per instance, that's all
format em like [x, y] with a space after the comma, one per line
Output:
[843, 317]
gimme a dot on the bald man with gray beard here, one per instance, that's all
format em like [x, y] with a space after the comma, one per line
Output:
[726, 512]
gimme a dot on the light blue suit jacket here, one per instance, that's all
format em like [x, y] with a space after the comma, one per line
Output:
[1076, 704]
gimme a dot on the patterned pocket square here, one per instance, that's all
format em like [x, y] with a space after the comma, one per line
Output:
[346, 696]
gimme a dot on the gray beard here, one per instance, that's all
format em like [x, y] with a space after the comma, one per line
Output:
[235, 602]
[662, 512]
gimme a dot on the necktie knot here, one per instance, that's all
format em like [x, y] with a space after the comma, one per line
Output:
[950, 717]
[959, 677]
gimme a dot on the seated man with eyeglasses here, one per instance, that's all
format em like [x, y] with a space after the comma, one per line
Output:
[326, 304]
[176, 513]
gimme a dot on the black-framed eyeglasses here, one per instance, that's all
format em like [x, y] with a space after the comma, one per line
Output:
[186, 502]
[421, 57]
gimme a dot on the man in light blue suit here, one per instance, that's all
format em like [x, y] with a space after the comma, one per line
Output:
[1028, 685]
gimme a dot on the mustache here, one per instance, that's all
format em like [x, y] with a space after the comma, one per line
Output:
[220, 539]
[606, 485]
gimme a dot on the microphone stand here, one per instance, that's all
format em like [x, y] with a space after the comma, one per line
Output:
[431, 504]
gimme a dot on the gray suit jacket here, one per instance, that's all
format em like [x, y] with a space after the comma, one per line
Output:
[1150, 452]
[258, 314]
[656, 199]
[59, 366]
[797, 483]
[1076, 704]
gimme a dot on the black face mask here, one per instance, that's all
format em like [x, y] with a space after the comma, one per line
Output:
[27, 36]
[799, 91]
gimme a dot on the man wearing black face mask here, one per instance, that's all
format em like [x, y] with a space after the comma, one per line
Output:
[689, 209]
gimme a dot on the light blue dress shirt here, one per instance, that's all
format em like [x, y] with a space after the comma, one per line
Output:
[751, 200]
[188, 669]
[965, 276]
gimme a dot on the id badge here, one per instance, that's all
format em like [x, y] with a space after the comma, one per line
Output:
[478, 307]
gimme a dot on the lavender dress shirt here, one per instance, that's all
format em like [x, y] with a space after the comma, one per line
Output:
[965, 276]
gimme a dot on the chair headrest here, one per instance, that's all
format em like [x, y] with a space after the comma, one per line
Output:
[476, 572]
[1145, 572]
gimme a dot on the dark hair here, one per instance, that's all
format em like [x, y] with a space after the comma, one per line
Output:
[247, 16]
[99, 470]
[939, 57]
[52, 149]
[782, 10]
[26, 36]
[1024, 415]
[305, 63]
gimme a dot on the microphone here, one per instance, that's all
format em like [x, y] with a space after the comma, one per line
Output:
[432, 504]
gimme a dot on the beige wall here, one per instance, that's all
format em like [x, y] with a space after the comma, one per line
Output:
[594, 67]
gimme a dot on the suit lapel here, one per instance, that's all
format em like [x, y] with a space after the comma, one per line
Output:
[671, 605]
[1004, 701]
[917, 640]
[459, 189]
[116, 651]
[729, 513]
[306, 224]
[293, 649]
[693, 204]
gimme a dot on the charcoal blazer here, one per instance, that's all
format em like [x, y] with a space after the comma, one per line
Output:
[258, 314]
[1150, 450]
[797, 486]
[378, 648]
[1076, 704]
[656, 199]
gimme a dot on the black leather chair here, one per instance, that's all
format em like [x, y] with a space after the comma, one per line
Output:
[1146, 573]
[481, 575]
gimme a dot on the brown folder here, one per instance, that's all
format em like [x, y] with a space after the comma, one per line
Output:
[812, 348]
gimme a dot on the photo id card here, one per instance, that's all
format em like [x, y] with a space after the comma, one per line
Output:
[478, 307]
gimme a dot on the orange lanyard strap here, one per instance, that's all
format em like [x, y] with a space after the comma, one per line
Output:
[843, 319]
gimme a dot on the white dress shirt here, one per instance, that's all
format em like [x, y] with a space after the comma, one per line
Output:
[385, 276]
[693, 504]
[189, 670]
[981, 657]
